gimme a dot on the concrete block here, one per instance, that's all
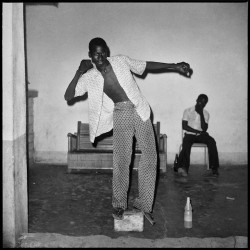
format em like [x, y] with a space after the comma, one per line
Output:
[133, 221]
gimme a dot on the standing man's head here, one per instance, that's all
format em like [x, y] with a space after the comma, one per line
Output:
[202, 101]
[98, 51]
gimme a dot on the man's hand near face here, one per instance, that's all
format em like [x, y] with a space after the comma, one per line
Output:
[199, 109]
[85, 65]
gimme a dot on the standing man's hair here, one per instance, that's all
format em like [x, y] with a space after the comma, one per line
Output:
[97, 42]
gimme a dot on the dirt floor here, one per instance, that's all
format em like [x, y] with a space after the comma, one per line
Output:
[80, 204]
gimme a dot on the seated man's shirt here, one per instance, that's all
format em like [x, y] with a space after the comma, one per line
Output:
[193, 118]
[100, 105]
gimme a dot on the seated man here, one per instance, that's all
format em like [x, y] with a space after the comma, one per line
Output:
[195, 123]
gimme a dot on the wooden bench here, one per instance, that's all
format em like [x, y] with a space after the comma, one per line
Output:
[82, 154]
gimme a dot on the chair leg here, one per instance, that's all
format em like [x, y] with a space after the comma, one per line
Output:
[207, 161]
[206, 158]
[180, 149]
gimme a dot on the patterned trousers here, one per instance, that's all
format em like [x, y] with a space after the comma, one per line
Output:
[127, 124]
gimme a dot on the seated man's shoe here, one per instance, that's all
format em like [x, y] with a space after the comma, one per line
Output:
[182, 172]
[215, 172]
[118, 213]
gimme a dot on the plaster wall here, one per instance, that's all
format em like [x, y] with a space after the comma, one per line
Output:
[211, 37]
[15, 209]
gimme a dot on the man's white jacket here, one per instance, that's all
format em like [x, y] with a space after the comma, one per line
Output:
[100, 105]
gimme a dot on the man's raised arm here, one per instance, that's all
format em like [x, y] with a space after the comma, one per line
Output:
[83, 68]
[183, 68]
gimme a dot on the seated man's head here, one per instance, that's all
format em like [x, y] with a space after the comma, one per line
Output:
[98, 51]
[202, 100]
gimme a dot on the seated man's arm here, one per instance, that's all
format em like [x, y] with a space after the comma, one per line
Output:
[189, 129]
[204, 125]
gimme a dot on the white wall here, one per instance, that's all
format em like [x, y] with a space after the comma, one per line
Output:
[14, 162]
[211, 37]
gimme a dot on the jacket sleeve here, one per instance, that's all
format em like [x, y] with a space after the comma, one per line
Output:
[81, 88]
[136, 66]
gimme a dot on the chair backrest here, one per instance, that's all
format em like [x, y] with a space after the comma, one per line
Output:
[83, 141]
[156, 127]
[157, 132]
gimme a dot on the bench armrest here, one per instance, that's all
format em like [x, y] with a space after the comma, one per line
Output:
[163, 143]
[71, 135]
[71, 142]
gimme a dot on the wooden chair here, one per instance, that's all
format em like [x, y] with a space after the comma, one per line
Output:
[198, 145]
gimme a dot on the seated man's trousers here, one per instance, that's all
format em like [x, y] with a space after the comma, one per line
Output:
[188, 140]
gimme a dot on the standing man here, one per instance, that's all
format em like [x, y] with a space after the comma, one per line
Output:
[115, 102]
[195, 123]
